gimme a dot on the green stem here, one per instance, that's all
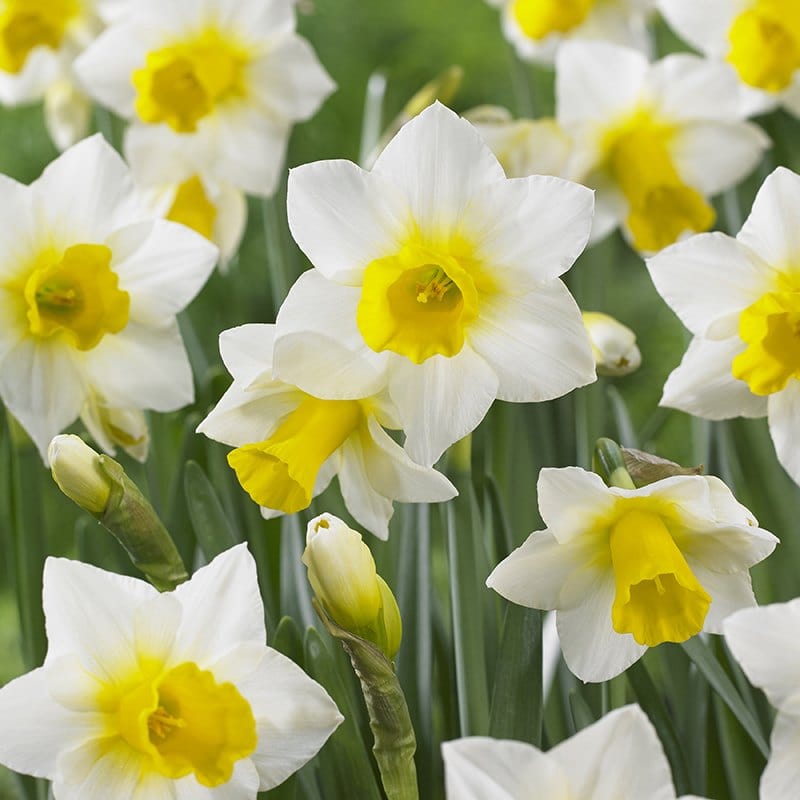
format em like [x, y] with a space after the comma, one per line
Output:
[609, 464]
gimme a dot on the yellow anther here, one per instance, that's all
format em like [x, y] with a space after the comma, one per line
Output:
[161, 723]
[437, 286]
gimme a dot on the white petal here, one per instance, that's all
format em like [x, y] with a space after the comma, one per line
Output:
[704, 385]
[318, 346]
[37, 728]
[441, 400]
[536, 343]
[571, 500]
[231, 222]
[142, 367]
[771, 230]
[764, 641]
[368, 506]
[162, 265]
[116, 773]
[620, 757]
[479, 768]
[784, 426]
[392, 473]
[86, 194]
[19, 233]
[593, 650]
[90, 613]
[727, 548]
[715, 156]
[222, 608]
[439, 162]
[43, 387]
[246, 351]
[534, 574]
[597, 81]
[67, 113]
[289, 80]
[155, 625]
[703, 25]
[729, 593]
[727, 509]
[530, 230]
[243, 785]
[41, 68]
[343, 217]
[781, 778]
[294, 714]
[708, 280]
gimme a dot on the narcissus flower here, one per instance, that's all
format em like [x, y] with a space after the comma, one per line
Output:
[224, 80]
[628, 569]
[289, 444]
[613, 344]
[536, 28]
[741, 300]
[90, 286]
[760, 39]
[437, 274]
[161, 695]
[764, 641]
[655, 141]
[619, 756]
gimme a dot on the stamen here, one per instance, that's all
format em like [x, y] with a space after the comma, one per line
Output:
[161, 723]
[56, 296]
[437, 286]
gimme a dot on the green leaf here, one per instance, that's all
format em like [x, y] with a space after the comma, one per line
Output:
[213, 529]
[287, 640]
[582, 715]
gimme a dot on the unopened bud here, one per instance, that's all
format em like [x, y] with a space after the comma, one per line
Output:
[76, 469]
[342, 573]
[613, 344]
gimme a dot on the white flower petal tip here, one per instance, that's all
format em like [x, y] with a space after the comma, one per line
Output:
[289, 445]
[435, 276]
[234, 121]
[480, 768]
[609, 597]
[650, 144]
[91, 286]
[208, 670]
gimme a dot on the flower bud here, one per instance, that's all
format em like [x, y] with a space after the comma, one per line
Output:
[76, 470]
[342, 573]
[613, 344]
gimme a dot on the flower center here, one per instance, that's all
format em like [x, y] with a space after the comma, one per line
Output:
[540, 18]
[771, 329]
[77, 297]
[188, 724]
[660, 205]
[28, 24]
[183, 83]
[417, 304]
[192, 208]
[765, 44]
[658, 598]
[280, 472]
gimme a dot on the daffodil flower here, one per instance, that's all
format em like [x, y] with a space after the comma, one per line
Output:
[740, 297]
[290, 444]
[613, 344]
[536, 28]
[628, 569]
[764, 641]
[90, 286]
[438, 275]
[619, 757]
[654, 140]
[224, 81]
[161, 695]
[759, 39]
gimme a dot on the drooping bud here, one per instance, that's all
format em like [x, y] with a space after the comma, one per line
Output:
[76, 470]
[613, 344]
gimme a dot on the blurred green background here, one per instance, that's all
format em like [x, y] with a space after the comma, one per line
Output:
[409, 42]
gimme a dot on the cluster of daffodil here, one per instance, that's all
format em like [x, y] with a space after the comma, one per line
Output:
[437, 286]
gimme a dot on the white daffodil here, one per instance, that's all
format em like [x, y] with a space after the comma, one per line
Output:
[39, 40]
[760, 39]
[289, 445]
[181, 186]
[150, 695]
[522, 146]
[628, 569]
[437, 274]
[619, 757]
[223, 81]
[90, 286]
[654, 140]
[613, 344]
[764, 641]
[741, 300]
[537, 28]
